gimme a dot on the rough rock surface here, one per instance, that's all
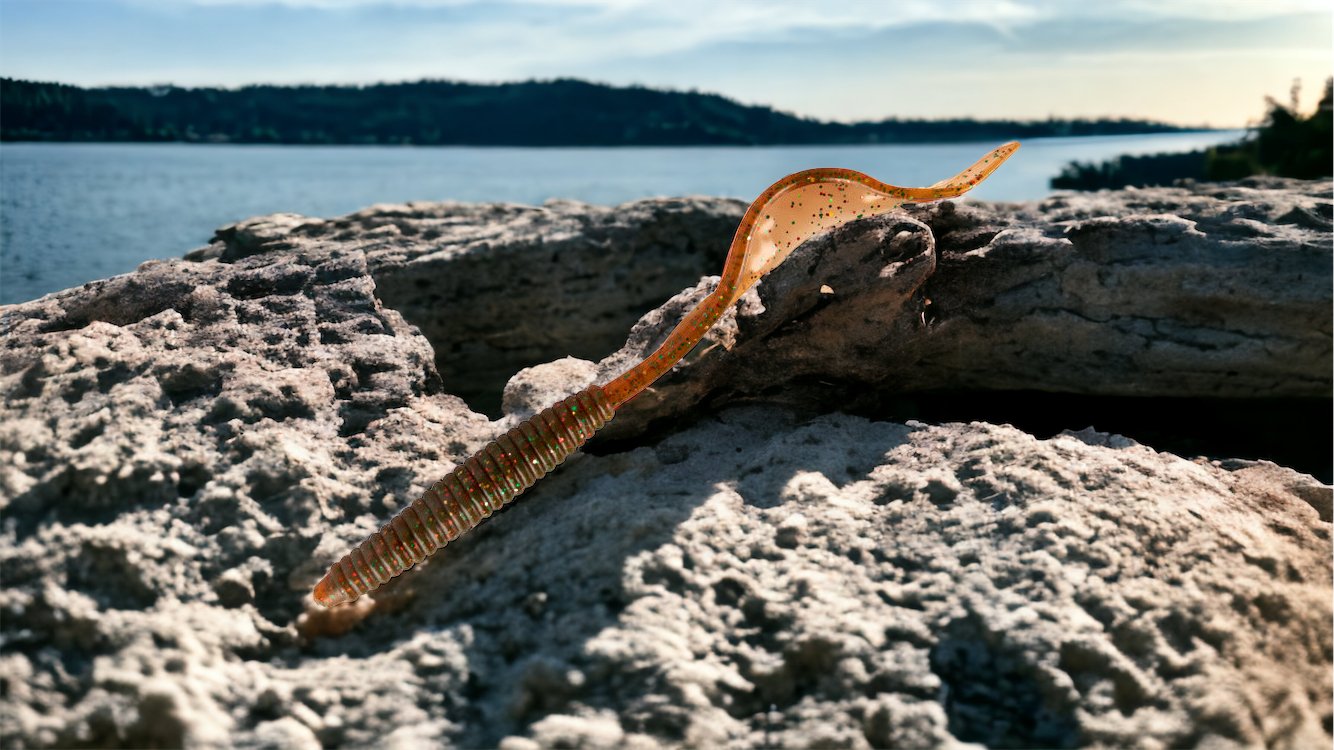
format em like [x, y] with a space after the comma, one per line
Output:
[499, 287]
[184, 449]
[1198, 291]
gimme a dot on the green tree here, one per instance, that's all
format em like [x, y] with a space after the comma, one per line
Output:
[1289, 145]
[1285, 144]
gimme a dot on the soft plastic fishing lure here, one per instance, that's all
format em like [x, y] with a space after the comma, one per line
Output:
[792, 210]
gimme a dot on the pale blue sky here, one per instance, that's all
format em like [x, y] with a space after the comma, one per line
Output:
[1184, 61]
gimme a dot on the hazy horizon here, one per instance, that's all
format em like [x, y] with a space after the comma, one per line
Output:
[1189, 62]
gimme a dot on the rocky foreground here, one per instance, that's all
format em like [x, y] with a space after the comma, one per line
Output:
[741, 562]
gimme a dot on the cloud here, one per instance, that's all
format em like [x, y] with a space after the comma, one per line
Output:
[785, 12]
[509, 36]
[1214, 10]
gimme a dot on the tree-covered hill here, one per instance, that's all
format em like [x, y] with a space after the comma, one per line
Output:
[534, 113]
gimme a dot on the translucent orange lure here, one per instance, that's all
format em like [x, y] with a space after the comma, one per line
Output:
[793, 209]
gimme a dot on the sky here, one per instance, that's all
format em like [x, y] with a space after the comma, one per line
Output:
[1189, 62]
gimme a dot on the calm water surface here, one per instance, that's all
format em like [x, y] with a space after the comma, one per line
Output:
[74, 212]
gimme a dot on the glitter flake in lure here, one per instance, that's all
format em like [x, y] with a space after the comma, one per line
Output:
[791, 211]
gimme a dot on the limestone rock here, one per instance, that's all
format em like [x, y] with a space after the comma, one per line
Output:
[500, 287]
[1203, 291]
[183, 450]
[1219, 292]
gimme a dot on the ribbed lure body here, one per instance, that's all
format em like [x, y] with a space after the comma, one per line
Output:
[791, 211]
[475, 489]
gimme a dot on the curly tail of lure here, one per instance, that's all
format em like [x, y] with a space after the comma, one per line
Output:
[791, 211]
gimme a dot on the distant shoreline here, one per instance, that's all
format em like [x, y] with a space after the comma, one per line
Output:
[207, 144]
[547, 114]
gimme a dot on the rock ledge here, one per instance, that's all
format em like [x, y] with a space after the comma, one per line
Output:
[745, 564]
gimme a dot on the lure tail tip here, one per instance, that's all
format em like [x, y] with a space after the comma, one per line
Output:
[328, 594]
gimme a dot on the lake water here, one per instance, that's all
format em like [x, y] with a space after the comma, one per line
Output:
[74, 212]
